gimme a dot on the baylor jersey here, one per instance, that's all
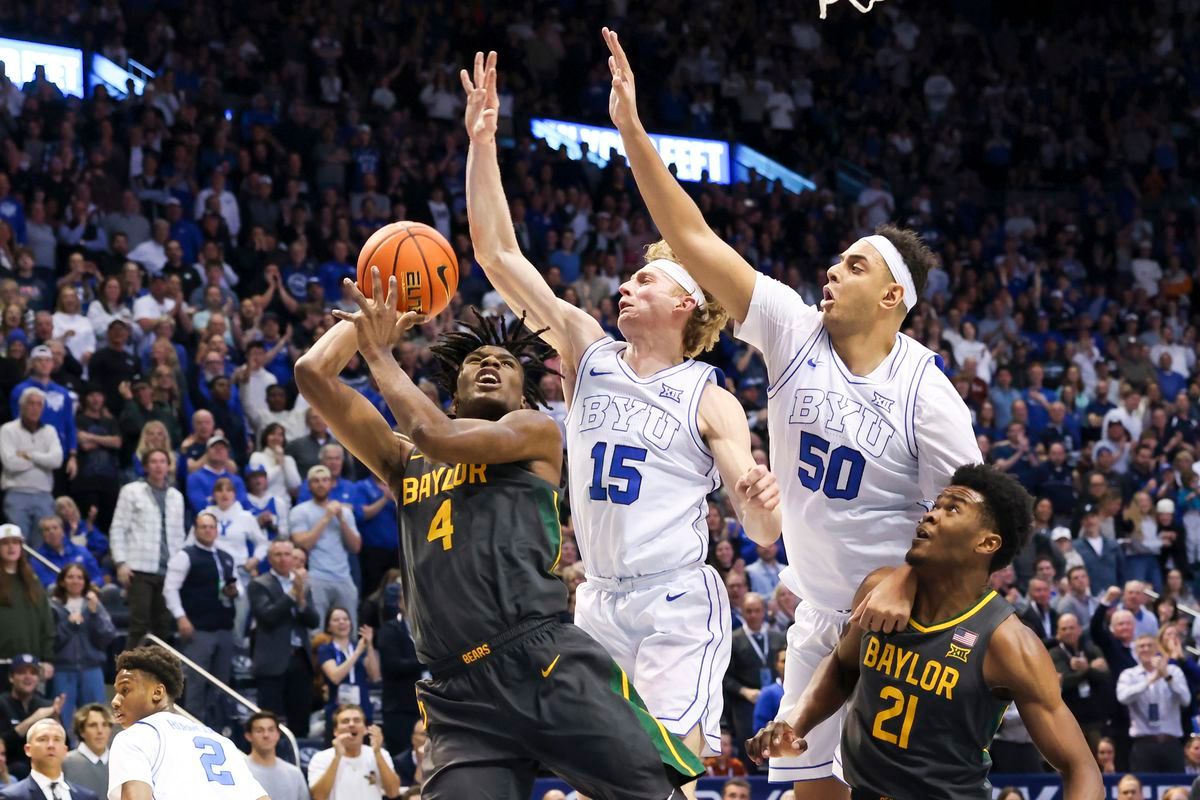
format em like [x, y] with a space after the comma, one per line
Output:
[921, 717]
[478, 543]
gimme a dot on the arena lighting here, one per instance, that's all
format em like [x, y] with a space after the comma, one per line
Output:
[691, 157]
[64, 65]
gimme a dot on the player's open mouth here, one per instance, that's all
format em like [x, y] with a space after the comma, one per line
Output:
[921, 533]
[487, 377]
[623, 306]
[827, 295]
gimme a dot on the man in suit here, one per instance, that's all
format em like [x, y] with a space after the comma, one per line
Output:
[46, 747]
[1039, 615]
[753, 651]
[410, 765]
[401, 671]
[283, 609]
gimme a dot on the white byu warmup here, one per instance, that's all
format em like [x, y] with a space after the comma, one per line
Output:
[640, 475]
[866, 456]
[865, 428]
[649, 435]
[180, 760]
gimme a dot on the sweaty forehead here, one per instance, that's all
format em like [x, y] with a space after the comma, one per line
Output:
[963, 494]
[494, 350]
[862, 249]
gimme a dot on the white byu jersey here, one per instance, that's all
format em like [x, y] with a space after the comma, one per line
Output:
[639, 470]
[858, 459]
[181, 760]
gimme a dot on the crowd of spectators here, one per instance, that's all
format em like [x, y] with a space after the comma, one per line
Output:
[166, 256]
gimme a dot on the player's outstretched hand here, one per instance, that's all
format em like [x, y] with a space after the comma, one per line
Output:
[758, 489]
[888, 605]
[776, 740]
[378, 322]
[622, 99]
[483, 102]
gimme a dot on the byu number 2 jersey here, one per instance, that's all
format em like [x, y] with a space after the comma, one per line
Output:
[858, 459]
[181, 760]
[639, 471]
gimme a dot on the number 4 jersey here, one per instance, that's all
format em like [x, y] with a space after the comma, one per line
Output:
[859, 458]
[639, 471]
[180, 760]
[479, 544]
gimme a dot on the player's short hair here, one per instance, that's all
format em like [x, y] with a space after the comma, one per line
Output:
[916, 254]
[1007, 508]
[82, 713]
[163, 665]
[704, 327]
[263, 714]
[344, 707]
[453, 347]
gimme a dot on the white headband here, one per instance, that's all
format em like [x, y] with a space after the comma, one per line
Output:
[680, 276]
[896, 264]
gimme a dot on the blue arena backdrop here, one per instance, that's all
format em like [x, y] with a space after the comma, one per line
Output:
[692, 157]
[1035, 787]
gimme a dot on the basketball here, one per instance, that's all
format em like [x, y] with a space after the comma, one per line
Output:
[422, 260]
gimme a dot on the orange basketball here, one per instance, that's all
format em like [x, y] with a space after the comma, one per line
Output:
[423, 262]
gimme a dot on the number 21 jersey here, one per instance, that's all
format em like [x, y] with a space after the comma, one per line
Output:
[859, 459]
[639, 471]
[181, 760]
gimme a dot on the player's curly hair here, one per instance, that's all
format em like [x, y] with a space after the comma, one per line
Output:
[916, 254]
[704, 328]
[453, 347]
[1007, 508]
[156, 661]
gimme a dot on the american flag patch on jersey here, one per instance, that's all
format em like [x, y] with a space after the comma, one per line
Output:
[964, 637]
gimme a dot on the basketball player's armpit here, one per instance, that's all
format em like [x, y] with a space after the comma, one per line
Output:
[136, 790]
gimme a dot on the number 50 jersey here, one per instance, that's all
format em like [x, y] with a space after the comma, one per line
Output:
[639, 471]
[859, 458]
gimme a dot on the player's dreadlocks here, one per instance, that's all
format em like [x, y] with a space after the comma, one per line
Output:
[158, 662]
[453, 347]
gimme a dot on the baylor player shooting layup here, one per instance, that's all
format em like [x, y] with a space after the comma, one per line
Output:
[924, 702]
[512, 687]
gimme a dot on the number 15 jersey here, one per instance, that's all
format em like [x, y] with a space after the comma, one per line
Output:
[858, 459]
[639, 471]
[181, 760]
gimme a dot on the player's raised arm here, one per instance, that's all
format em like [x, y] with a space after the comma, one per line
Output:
[523, 435]
[355, 422]
[830, 688]
[1018, 665]
[713, 263]
[570, 329]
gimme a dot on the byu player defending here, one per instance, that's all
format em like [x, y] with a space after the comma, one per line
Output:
[864, 427]
[645, 422]
[162, 755]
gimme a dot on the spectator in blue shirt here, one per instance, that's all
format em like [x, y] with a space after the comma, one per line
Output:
[336, 268]
[347, 668]
[60, 551]
[183, 230]
[375, 512]
[216, 465]
[767, 706]
[11, 210]
[79, 531]
[59, 411]
[563, 255]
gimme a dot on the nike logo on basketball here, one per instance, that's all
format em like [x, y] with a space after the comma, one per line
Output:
[546, 672]
[441, 273]
[671, 598]
[593, 371]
